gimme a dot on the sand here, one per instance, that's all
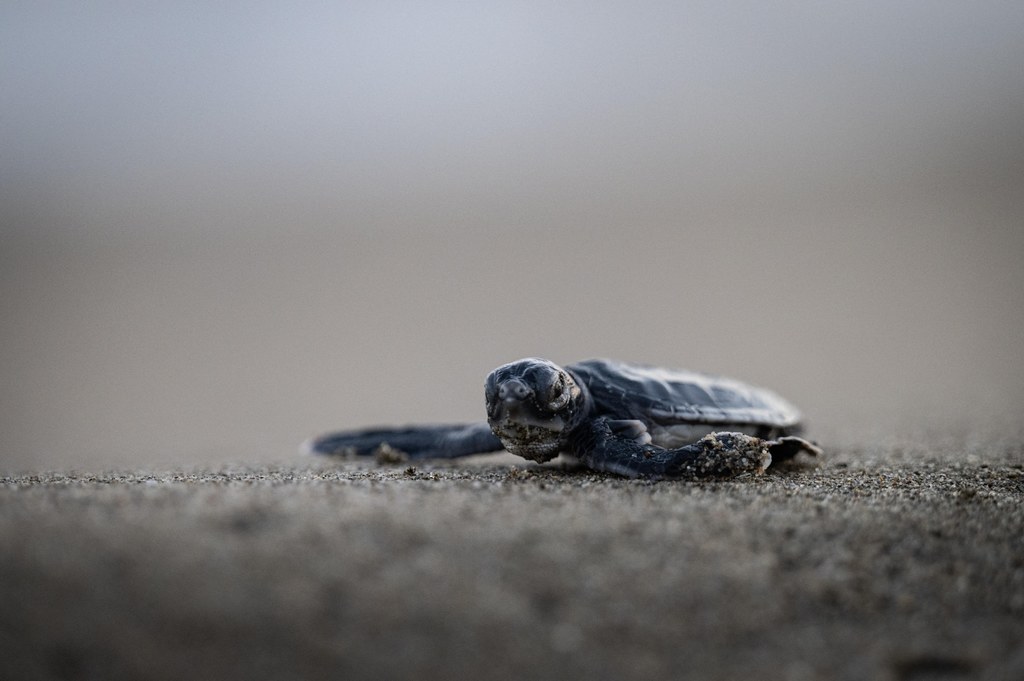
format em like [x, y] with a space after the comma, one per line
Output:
[871, 564]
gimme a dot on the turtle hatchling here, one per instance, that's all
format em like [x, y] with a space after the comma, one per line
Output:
[628, 419]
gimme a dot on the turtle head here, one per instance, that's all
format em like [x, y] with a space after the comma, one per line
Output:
[532, 406]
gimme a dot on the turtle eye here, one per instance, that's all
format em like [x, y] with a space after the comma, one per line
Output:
[559, 395]
[490, 393]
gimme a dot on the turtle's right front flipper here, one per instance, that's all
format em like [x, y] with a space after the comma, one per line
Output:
[417, 442]
[715, 456]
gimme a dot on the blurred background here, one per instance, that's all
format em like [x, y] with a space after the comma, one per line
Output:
[225, 227]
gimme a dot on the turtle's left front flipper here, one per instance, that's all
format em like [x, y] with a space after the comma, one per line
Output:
[715, 456]
[416, 442]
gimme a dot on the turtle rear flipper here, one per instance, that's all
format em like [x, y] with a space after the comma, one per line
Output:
[785, 448]
[415, 442]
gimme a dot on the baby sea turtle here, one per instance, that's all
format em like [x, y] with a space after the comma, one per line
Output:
[628, 419]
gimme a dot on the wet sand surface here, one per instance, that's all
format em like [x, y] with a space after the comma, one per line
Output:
[870, 564]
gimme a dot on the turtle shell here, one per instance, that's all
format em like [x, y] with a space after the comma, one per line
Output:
[680, 406]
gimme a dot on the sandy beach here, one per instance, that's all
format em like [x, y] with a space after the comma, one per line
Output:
[881, 564]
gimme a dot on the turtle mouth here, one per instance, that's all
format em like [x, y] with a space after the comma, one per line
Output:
[536, 443]
[529, 435]
[513, 417]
